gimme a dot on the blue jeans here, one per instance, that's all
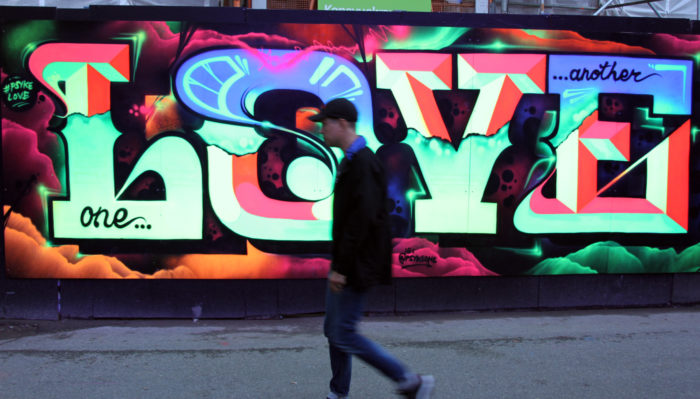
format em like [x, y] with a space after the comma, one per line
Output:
[343, 312]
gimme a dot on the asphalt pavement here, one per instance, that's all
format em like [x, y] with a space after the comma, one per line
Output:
[622, 353]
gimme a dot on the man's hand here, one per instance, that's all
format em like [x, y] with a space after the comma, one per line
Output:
[336, 281]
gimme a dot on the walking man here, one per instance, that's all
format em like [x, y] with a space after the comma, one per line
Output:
[361, 256]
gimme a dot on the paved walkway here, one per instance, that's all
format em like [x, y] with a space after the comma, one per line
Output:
[631, 353]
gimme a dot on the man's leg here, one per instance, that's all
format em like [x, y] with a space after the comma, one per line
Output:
[341, 362]
[348, 340]
[341, 366]
[341, 329]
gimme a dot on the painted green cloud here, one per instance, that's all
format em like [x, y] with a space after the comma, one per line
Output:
[609, 257]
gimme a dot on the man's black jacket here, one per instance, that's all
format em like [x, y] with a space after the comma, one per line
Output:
[361, 227]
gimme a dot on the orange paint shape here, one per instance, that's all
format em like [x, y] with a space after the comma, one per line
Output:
[429, 109]
[507, 102]
[679, 175]
[254, 201]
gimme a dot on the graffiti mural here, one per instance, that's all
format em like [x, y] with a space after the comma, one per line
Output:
[163, 149]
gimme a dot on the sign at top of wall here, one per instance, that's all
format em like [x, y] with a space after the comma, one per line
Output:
[375, 5]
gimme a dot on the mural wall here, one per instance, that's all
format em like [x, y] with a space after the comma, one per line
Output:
[166, 149]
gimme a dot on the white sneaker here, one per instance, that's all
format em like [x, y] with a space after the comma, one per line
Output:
[423, 390]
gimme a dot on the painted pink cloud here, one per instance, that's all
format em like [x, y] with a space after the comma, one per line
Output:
[418, 257]
[37, 119]
[24, 167]
[675, 45]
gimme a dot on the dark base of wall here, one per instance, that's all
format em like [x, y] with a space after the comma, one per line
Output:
[219, 299]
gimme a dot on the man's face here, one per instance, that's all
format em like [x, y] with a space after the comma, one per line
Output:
[332, 132]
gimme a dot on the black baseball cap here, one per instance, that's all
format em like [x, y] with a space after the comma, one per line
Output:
[340, 108]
